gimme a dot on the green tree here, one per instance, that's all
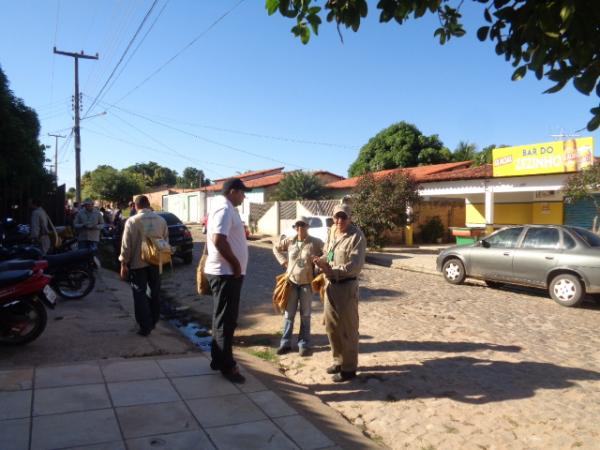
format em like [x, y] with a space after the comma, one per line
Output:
[110, 184]
[383, 204]
[585, 185]
[464, 151]
[153, 174]
[558, 40]
[22, 172]
[192, 178]
[70, 194]
[485, 156]
[299, 185]
[399, 145]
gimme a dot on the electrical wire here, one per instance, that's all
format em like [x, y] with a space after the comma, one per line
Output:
[220, 144]
[191, 43]
[121, 58]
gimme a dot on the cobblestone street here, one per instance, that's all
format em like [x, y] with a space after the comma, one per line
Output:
[442, 366]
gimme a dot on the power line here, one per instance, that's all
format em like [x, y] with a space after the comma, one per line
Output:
[192, 42]
[220, 144]
[122, 57]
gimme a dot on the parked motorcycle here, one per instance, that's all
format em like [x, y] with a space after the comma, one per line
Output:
[23, 294]
[72, 272]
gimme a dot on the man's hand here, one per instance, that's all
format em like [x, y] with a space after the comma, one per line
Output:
[237, 270]
[124, 272]
[325, 267]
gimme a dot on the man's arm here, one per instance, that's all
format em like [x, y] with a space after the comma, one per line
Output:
[223, 247]
[280, 251]
[125, 255]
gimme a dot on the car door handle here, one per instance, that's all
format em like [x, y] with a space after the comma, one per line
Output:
[506, 253]
[549, 257]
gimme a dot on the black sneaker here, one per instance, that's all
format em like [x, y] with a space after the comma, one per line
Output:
[343, 376]
[214, 366]
[144, 333]
[304, 351]
[234, 375]
[283, 350]
[336, 368]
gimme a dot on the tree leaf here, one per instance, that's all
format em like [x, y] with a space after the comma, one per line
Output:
[594, 123]
[519, 73]
[487, 16]
[482, 33]
[271, 6]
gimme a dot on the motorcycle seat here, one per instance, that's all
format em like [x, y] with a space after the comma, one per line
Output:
[62, 259]
[10, 277]
[17, 264]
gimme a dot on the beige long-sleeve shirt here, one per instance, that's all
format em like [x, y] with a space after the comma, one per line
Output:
[88, 224]
[39, 223]
[298, 256]
[145, 223]
[348, 252]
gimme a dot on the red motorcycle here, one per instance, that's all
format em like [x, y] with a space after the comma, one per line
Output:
[23, 293]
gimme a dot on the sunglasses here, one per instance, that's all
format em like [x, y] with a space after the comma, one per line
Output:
[300, 225]
[340, 217]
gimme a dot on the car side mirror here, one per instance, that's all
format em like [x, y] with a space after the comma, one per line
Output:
[485, 244]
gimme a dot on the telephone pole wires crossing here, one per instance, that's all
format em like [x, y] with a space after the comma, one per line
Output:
[76, 129]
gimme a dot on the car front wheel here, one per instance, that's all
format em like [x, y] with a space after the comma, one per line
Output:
[567, 290]
[454, 271]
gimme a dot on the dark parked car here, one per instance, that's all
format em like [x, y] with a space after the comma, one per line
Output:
[180, 237]
[564, 260]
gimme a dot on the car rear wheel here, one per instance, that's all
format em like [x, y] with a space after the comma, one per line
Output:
[454, 271]
[566, 290]
[493, 284]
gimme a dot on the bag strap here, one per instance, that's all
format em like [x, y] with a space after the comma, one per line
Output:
[294, 265]
[53, 229]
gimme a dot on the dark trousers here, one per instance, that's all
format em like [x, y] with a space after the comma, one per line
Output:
[226, 300]
[147, 308]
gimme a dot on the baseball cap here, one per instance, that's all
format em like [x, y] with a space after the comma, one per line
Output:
[302, 219]
[234, 183]
[342, 208]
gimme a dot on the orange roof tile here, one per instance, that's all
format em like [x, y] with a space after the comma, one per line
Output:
[418, 173]
[251, 174]
[470, 173]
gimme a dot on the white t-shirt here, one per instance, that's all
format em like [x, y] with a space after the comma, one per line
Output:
[224, 219]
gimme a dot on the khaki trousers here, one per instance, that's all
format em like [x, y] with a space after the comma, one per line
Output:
[341, 323]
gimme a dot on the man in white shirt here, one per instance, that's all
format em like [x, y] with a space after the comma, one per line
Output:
[225, 269]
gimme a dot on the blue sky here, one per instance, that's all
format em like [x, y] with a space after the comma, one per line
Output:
[247, 95]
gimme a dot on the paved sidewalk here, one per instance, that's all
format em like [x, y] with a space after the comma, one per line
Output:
[175, 403]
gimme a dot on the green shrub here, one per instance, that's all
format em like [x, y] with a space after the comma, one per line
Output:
[432, 230]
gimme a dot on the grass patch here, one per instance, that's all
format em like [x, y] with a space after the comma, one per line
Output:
[267, 354]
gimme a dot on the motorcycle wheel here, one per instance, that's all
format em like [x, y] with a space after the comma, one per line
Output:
[74, 283]
[22, 321]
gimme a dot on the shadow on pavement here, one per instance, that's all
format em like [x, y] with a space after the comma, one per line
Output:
[464, 379]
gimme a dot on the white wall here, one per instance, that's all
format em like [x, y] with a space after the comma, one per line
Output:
[188, 206]
[268, 223]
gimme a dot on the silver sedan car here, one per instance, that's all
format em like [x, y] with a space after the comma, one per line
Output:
[564, 260]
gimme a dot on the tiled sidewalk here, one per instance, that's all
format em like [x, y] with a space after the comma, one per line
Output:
[168, 403]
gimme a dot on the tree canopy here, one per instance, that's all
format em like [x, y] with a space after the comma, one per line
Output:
[299, 185]
[380, 205]
[558, 40]
[22, 172]
[399, 145]
[153, 174]
[108, 183]
[192, 178]
[464, 151]
[584, 185]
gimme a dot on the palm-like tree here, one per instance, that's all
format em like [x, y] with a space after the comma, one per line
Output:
[465, 151]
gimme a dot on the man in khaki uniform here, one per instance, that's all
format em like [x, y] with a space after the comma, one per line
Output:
[296, 254]
[341, 263]
[141, 274]
[88, 223]
[40, 226]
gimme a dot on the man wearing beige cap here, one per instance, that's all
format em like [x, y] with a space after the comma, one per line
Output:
[296, 254]
[341, 263]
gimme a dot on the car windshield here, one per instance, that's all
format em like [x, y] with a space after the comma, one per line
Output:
[315, 222]
[506, 238]
[171, 219]
[591, 239]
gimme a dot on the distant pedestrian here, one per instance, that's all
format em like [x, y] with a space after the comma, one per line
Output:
[296, 254]
[88, 223]
[141, 274]
[342, 262]
[40, 226]
[225, 269]
[132, 209]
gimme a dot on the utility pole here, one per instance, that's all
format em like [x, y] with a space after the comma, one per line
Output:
[56, 136]
[76, 127]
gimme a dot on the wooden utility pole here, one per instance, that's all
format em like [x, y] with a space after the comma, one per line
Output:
[76, 127]
[56, 136]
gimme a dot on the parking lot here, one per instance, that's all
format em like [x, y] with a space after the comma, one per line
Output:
[443, 366]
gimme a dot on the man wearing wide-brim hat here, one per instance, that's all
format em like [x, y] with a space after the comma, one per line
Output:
[342, 262]
[296, 253]
[88, 223]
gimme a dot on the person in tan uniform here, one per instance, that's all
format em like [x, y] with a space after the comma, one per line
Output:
[141, 274]
[296, 254]
[341, 263]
